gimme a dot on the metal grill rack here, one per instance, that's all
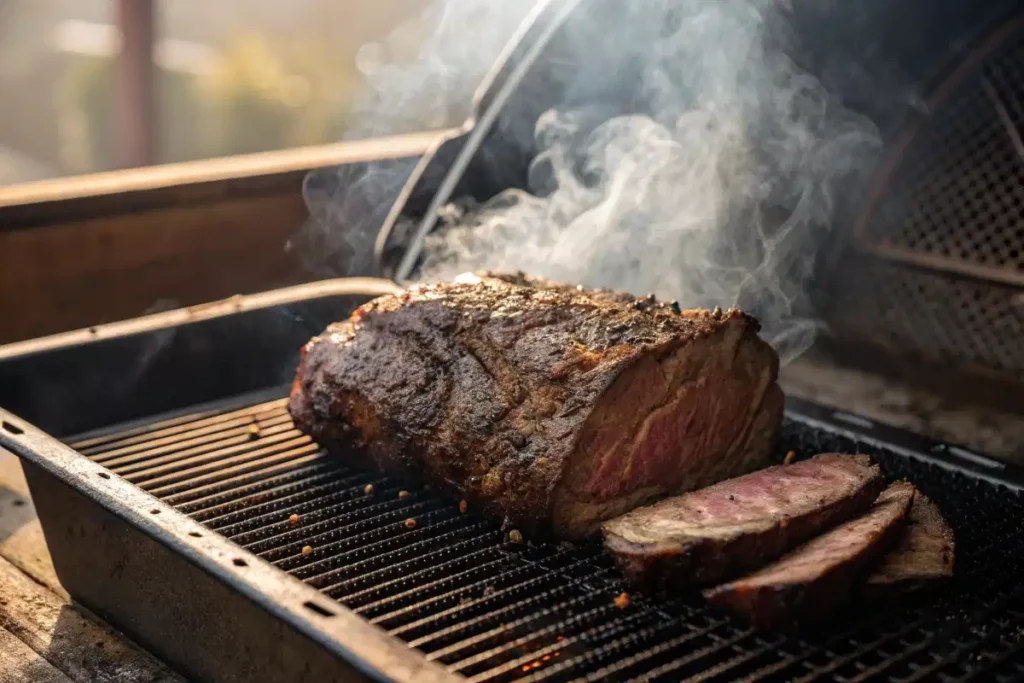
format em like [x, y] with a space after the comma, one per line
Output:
[937, 264]
[956, 199]
[453, 587]
[961, 321]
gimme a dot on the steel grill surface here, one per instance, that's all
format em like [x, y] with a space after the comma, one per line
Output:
[455, 588]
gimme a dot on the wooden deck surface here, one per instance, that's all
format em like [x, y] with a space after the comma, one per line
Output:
[44, 638]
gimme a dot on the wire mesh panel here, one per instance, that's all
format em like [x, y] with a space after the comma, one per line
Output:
[937, 268]
[960, 321]
[958, 192]
[455, 587]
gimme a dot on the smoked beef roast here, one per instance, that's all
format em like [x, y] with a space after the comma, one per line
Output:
[552, 407]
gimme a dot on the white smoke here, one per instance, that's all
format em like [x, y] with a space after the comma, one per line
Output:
[457, 43]
[719, 191]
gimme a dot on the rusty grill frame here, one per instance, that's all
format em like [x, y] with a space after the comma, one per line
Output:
[152, 565]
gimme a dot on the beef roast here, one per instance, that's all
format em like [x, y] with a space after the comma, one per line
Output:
[609, 296]
[923, 555]
[741, 523]
[812, 580]
[548, 406]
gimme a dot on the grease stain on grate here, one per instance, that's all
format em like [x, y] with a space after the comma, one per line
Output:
[454, 588]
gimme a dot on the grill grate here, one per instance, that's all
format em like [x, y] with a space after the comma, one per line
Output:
[457, 590]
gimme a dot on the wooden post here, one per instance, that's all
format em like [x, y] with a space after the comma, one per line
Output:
[135, 132]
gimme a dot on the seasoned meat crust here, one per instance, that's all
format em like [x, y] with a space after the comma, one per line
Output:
[742, 523]
[815, 578]
[924, 554]
[551, 407]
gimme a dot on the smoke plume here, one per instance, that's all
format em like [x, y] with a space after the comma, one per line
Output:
[714, 184]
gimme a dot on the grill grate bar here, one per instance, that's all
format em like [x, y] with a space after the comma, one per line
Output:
[361, 520]
[391, 537]
[254, 493]
[489, 640]
[700, 664]
[205, 451]
[607, 649]
[516, 580]
[255, 467]
[99, 445]
[168, 445]
[741, 665]
[620, 670]
[478, 669]
[475, 625]
[838, 661]
[175, 425]
[454, 587]
[406, 558]
[313, 514]
[482, 562]
[451, 588]
[242, 484]
[273, 495]
[197, 474]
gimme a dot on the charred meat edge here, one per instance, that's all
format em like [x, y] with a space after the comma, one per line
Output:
[922, 557]
[704, 550]
[810, 582]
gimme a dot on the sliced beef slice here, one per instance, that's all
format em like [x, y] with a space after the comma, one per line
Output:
[548, 406]
[811, 581]
[742, 523]
[922, 556]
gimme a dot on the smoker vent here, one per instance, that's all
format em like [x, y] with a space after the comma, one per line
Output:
[453, 586]
[956, 198]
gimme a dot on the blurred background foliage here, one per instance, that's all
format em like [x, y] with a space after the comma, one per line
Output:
[252, 99]
[232, 76]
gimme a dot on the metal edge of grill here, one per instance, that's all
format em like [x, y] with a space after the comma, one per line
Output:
[120, 552]
[103, 531]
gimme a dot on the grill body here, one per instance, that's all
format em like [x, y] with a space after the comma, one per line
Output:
[934, 267]
[179, 530]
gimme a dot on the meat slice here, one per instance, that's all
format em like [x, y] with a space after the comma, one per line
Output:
[923, 555]
[548, 406]
[741, 523]
[815, 578]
